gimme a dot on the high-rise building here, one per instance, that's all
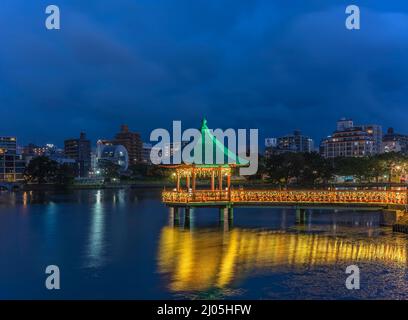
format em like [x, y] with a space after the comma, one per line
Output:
[375, 131]
[80, 151]
[32, 150]
[349, 143]
[350, 140]
[344, 124]
[271, 142]
[11, 163]
[36, 151]
[395, 142]
[147, 148]
[295, 142]
[132, 142]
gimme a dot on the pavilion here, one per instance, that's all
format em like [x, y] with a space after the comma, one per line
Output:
[200, 167]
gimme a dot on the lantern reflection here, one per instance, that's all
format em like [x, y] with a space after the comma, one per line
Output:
[206, 259]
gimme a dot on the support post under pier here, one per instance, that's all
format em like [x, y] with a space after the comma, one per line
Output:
[174, 216]
[300, 216]
[401, 224]
[230, 213]
[223, 214]
[226, 213]
[188, 217]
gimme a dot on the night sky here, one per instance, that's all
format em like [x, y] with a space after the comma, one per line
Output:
[276, 65]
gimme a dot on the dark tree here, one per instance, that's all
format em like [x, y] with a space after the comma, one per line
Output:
[261, 169]
[139, 170]
[65, 174]
[281, 168]
[155, 171]
[41, 170]
[109, 170]
[316, 169]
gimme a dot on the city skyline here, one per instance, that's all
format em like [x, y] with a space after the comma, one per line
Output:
[277, 67]
[261, 141]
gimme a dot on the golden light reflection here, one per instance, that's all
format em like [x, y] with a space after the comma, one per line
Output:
[202, 260]
[25, 199]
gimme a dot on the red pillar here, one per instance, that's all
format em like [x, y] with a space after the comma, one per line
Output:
[220, 179]
[229, 187]
[194, 181]
[178, 183]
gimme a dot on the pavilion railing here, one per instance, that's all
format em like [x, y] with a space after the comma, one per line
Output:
[198, 196]
[289, 196]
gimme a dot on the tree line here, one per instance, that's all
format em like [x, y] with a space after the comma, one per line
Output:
[42, 170]
[312, 168]
[282, 169]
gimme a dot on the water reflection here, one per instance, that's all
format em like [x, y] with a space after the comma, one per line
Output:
[120, 198]
[197, 261]
[100, 235]
[96, 242]
[51, 213]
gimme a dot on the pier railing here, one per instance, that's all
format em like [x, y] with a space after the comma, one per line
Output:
[367, 197]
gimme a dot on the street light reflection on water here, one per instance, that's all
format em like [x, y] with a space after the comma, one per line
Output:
[95, 244]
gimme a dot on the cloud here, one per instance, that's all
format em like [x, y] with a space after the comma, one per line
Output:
[251, 63]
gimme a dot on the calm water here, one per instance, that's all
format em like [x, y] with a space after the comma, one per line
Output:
[119, 244]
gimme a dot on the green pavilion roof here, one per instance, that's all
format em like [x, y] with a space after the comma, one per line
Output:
[210, 142]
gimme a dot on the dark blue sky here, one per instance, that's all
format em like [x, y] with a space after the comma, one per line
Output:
[274, 65]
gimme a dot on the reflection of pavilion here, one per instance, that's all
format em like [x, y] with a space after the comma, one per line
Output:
[202, 260]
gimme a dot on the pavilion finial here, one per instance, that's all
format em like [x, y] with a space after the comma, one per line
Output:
[204, 124]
